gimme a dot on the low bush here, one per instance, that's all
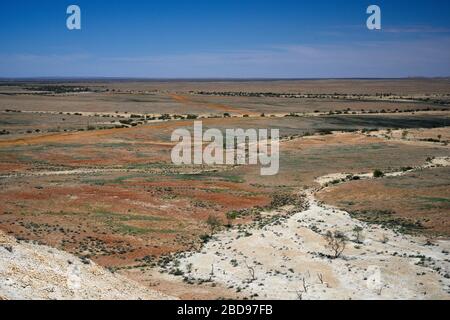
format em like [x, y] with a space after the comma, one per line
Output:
[378, 173]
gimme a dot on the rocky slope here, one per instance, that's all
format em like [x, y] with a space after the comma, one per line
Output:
[30, 271]
[290, 257]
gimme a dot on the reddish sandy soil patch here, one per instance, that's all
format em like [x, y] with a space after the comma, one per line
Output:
[117, 219]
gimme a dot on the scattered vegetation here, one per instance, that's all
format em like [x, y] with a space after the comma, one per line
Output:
[387, 219]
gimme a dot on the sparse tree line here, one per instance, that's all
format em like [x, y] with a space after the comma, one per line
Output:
[58, 89]
[288, 95]
[335, 96]
[133, 120]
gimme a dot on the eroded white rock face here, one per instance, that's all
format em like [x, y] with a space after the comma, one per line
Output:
[29, 271]
[288, 260]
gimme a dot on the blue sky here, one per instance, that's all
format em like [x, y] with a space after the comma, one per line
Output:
[224, 39]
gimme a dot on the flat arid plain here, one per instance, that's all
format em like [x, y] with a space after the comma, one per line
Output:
[92, 207]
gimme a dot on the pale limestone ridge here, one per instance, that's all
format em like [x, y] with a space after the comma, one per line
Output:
[30, 271]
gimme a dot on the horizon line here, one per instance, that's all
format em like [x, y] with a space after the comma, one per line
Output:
[202, 79]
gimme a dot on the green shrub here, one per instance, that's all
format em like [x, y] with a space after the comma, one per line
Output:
[378, 173]
[205, 238]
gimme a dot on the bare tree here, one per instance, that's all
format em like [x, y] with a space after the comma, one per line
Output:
[302, 291]
[214, 223]
[211, 275]
[320, 276]
[357, 232]
[251, 271]
[305, 286]
[336, 242]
